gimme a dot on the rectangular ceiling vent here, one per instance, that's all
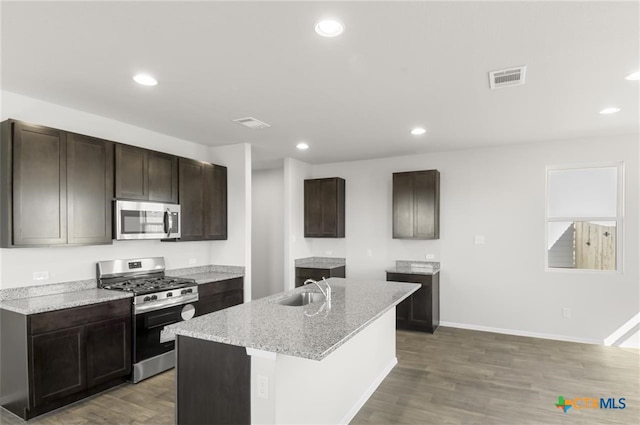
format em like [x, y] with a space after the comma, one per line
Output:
[251, 123]
[507, 77]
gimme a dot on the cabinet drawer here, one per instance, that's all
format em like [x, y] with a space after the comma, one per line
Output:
[411, 278]
[213, 288]
[69, 317]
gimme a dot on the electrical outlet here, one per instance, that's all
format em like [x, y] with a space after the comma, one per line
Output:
[40, 275]
[478, 239]
[263, 387]
[327, 253]
[430, 257]
[566, 312]
[192, 261]
[369, 252]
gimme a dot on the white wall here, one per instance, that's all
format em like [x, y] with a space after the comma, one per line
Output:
[499, 193]
[73, 263]
[295, 244]
[267, 242]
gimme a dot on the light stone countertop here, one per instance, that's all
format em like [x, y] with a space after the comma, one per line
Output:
[312, 331]
[320, 262]
[409, 270]
[34, 305]
[208, 277]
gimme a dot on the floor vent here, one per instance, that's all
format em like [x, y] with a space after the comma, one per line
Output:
[251, 123]
[507, 77]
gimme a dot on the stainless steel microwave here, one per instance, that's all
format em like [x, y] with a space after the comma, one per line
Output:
[146, 220]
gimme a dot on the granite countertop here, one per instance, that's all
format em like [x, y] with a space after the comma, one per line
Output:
[41, 304]
[207, 274]
[312, 331]
[208, 277]
[409, 270]
[427, 268]
[320, 262]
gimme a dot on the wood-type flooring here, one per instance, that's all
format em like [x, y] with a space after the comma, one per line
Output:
[454, 376]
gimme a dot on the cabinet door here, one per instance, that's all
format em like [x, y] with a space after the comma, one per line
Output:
[403, 207]
[163, 177]
[108, 350]
[39, 185]
[191, 178]
[416, 205]
[312, 208]
[89, 189]
[132, 175]
[426, 204]
[58, 365]
[215, 202]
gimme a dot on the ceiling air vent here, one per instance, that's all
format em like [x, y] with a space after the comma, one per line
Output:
[251, 123]
[507, 77]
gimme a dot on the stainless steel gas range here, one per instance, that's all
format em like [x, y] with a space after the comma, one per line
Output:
[158, 301]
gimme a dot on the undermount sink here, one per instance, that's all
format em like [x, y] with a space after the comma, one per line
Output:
[302, 298]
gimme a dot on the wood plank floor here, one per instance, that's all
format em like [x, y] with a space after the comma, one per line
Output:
[452, 377]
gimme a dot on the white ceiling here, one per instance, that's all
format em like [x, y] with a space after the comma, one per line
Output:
[397, 65]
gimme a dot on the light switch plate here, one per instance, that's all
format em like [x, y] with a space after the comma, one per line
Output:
[192, 261]
[430, 256]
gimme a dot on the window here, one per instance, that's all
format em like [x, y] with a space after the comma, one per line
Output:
[584, 217]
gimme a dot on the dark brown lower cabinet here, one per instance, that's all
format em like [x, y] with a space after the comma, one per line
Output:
[304, 273]
[421, 311]
[219, 295]
[52, 359]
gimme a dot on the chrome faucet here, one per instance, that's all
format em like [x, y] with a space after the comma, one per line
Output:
[327, 293]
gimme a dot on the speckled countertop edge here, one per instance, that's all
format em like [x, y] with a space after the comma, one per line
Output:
[265, 325]
[412, 271]
[320, 262]
[42, 304]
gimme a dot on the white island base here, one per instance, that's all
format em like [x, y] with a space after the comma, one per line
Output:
[330, 391]
[221, 383]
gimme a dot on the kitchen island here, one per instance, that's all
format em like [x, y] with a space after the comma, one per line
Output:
[264, 362]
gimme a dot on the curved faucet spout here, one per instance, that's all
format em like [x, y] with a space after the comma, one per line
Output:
[327, 293]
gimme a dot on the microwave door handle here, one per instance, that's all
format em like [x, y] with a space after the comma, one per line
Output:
[168, 222]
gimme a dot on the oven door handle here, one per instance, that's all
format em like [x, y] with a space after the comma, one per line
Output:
[168, 302]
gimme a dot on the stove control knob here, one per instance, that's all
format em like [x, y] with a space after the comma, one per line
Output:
[184, 291]
[169, 294]
[147, 299]
[189, 290]
[154, 297]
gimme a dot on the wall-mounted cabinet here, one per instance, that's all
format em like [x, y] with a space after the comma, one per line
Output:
[145, 175]
[324, 208]
[56, 187]
[203, 200]
[416, 205]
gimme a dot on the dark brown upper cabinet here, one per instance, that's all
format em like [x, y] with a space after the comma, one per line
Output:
[324, 208]
[89, 190]
[55, 187]
[416, 205]
[146, 175]
[203, 200]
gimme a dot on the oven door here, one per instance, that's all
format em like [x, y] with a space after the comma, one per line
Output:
[147, 327]
[146, 220]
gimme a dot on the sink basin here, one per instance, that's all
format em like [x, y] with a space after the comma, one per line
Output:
[302, 298]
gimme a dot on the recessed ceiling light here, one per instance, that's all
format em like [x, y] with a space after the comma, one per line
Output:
[607, 111]
[302, 146]
[418, 131]
[329, 28]
[633, 77]
[145, 79]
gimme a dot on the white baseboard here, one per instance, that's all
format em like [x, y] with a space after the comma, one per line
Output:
[619, 333]
[369, 392]
[522, 333]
